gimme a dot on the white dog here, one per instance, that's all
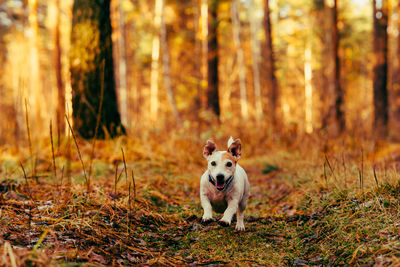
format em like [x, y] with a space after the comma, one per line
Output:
[224, 187]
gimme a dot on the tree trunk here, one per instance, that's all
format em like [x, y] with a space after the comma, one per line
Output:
[122, 68]
[269, 67]
[204, 48]
[212, 71]
[255, 55]
[198, 61]
[155, 56]
[325, 36]
[165, 58]
[338, 91]
[92, 71]
[308, 88]
[60, 112]
[35, 80]
[380, 14]
[240, 61]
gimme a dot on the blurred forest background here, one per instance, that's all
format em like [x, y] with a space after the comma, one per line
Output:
[293, 67]
[311, 87]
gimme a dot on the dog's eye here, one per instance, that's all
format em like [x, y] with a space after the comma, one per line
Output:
[213, 163]
[229, 164]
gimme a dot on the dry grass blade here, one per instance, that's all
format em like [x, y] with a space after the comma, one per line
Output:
[79, 155]
[8, 250]
[330, 168]
[115, 180]
[26, 180]
[28, 131]
[126, 171]
[344, 170]
[134, 188]
[325, 176]
[52, 151]
[30, 197]
[375, 177]
[129, 209]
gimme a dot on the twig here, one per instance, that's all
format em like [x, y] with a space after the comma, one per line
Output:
[134, 188]
[326, 178]
[376, 179]
[30, 206]
[79, 154]
[68, 144]
[345, 171]
[126, 172]
[58, 137]
[26, 180]
[362, 167]
[30, 140]
[330, 167]
[9, 251]
[61, 180]
[115, 180]
[129, 209]
[52, 151]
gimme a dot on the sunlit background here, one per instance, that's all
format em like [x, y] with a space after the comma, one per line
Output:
[150, 97]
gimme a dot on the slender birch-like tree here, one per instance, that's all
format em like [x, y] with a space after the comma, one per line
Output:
[255, 55]
[35, 83]
[165, 65]
[269, 66]
[240, 61]
[155, 57]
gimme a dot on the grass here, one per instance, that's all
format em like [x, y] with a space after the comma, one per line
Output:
[311, 204]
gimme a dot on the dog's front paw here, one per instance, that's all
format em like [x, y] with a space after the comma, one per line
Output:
[207, 220]
[240, 228]
[224, 223]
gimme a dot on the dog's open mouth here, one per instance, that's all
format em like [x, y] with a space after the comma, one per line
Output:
[220, 185]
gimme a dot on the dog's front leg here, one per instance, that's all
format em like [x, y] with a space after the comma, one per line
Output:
[233, 205]
[207, 208]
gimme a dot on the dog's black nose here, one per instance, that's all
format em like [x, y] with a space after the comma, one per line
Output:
[220, 177]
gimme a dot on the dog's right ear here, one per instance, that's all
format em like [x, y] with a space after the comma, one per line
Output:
[209, 148]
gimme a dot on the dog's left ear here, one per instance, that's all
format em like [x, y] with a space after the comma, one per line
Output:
[235, 149]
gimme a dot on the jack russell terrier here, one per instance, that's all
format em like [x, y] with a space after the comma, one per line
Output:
[224, 187]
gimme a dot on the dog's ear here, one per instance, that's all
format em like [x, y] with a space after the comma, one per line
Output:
[209, 148]
[235, 148]
[230, 141]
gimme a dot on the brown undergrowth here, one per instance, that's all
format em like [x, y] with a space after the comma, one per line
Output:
[308, 200]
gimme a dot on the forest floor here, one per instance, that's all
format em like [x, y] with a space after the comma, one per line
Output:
[312, 203]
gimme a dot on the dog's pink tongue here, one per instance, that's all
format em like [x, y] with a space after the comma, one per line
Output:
[220, 185]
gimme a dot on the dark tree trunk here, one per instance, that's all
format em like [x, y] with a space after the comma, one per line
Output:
[338, 91]
[380, 67]
[269, 66]
[92, 71]
[212, 73]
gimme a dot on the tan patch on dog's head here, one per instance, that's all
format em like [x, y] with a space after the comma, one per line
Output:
[229, 156]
